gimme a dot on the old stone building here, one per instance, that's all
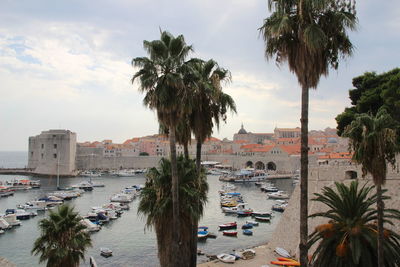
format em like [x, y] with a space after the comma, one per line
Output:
[52, 152]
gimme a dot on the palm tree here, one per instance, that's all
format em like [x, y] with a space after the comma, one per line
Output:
[207, 103]
[311, 36]
[63, 241]
[373, 141]
[349, 238]
[160, 78]
[156, 205]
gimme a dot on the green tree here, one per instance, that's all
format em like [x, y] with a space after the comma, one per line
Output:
[62, 241]
[311, 36]
[370, 93]
[160, 78]
[373, 142]
[349, 238]
[207, 103]
[156, 204]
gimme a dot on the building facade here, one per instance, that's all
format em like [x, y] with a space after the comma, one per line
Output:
[53, 152]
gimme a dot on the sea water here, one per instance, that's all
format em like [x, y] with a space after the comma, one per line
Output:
[131, 242]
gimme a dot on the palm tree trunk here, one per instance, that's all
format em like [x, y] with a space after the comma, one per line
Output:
[380, 208]
[198, 156]
[304, 178]
[175, 199]
[186, 150]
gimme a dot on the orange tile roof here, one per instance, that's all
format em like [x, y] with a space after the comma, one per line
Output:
[262, 149]
[212, 139]
[240, 141]
[291, 149]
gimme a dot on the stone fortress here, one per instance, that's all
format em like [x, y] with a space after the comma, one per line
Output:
[57, 151]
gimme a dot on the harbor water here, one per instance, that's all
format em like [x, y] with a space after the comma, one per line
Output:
[133, 244]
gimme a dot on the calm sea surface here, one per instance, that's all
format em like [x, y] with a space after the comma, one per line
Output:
[132, 244]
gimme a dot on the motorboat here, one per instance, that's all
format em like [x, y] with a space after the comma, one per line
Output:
[247, 232]
[52, 201]
[270, 189]
[239, 208]
[230, 233]
[4, 224]
[86, 186]
[105, 252]
[39, 205]
[245, 175]
[126, 173]
[122, 198]
[6, 191]
[90, 227]
[12, 220]
[203, 228]
[90, 174]
[279, 207]
[227, 258]
[278, 195]
[228, 226]
[21, 214]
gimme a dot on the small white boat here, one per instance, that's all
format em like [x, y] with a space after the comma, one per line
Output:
[12, 220]
[122, 198]
[105, 252]
[1, 232]
[90, 227]
[226, 258]
[278, 195]
[4, 224]
[282, 252]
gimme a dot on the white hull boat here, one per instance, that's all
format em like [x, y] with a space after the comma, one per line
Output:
[227, 258]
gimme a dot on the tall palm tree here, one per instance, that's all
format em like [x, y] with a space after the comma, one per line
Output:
[207, 103]
[349, 238]
[63, 241]
[160, 78]
[311, 36]
[156, 205]
[373, 141]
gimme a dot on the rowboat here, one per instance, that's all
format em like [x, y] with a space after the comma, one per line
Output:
[226, 258]
[247, 226]
[252, 223]
[230, 233]
[228, 226]
[263, 219]
[261, 214]
[247, 232]
[202, 235]
[105, 252]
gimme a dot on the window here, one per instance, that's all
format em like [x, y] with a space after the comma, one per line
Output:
[55, 146]
[42, 155]
[42, 146]
[55, 156]
[31, 153]
[54, 136]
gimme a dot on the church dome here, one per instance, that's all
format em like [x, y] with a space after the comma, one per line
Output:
[242, 130]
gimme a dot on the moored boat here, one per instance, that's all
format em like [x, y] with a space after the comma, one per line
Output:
[227, 258]
[247, 232]
[247, 226]
[105, 252]
[202, 235]
[229, 233]
[261, 214]
[278, 195]
[254, 223]
[263, 219]
[228, 226]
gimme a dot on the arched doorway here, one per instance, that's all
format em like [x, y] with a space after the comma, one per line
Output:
[259, 165]
[271, 166]
[350, 175]
[249, 164]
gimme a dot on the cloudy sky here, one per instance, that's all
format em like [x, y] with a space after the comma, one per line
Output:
[66, 64]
